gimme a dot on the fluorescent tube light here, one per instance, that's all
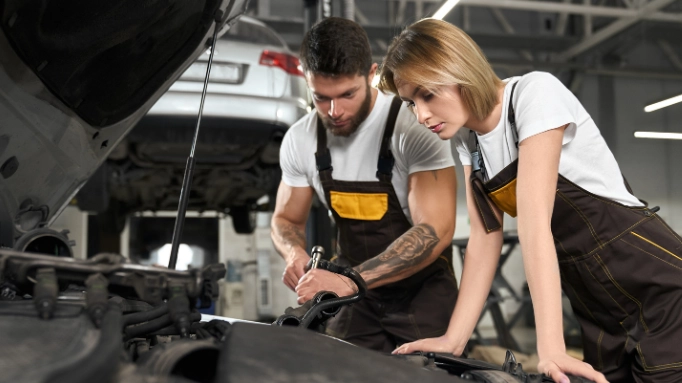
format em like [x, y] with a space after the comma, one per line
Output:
[659, 135]
[663, 104]
[444, 9]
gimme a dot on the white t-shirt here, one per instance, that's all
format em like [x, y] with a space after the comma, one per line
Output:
[354, 158]
[541, 103]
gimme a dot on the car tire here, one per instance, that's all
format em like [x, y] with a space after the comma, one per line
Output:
[243, 219]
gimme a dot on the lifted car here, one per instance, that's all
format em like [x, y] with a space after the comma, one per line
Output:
[255, 92]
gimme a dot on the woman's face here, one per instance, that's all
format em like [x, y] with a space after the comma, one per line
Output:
[443, 113]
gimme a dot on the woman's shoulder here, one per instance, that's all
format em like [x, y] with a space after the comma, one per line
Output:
[540, 81]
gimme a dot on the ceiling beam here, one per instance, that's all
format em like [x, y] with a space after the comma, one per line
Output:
[670, 53]
[552, 6]
[642, 73]
[507, 27]
[611, 30]
[535, 43]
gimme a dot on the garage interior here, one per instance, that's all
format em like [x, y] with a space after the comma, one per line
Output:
[616, 56]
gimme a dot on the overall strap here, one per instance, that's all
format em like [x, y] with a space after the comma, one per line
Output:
[511, 116]
[323, 159]
[477, 163]
[479, 175]
[386, 159]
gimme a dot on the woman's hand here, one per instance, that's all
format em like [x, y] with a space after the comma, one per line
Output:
[556, 366]
[440, 344]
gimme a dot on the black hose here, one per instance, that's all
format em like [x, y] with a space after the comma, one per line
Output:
[325, 296]
[288, 320]
[147, 327]
[156, 325]
[330, 304]
[145, 316]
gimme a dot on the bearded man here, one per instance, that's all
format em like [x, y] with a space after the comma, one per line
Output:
[390, 185]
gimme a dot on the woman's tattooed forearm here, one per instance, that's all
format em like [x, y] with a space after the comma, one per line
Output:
[405, 253]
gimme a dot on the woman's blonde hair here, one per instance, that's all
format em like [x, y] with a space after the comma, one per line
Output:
[432, 53]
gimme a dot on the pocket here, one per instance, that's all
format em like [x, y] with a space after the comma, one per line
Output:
[359, 206]
[655, 248]
[505, 198]
[656, 266]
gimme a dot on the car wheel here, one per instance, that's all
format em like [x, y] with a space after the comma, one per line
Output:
[243, 219]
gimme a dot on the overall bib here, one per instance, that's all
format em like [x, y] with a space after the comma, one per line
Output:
[621, 268]
[369, 219]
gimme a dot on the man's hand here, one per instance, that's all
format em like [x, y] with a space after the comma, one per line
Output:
[295, 269]
[317, 280]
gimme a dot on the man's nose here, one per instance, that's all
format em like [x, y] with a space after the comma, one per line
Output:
[335, 110]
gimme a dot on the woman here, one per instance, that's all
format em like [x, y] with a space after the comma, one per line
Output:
[531, 150]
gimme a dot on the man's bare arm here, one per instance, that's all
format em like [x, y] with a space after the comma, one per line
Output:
[403, 257]
[287, 235]
[432, 200]
[288, 230]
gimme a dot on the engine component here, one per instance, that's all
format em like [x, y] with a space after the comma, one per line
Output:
[46, 241]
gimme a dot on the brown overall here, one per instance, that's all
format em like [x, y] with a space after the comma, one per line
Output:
[369, 218]
[621, 268]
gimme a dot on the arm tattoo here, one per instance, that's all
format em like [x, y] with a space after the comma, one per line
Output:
[404, 255]
[291, 235]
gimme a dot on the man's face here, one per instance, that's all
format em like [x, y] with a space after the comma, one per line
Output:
[342, 102]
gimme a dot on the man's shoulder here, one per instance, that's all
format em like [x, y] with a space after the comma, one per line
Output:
[305, 126]
[300, 137]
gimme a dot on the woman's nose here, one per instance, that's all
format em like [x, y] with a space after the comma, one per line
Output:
[422, 114]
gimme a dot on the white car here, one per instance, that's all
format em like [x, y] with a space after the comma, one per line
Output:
[256, 91]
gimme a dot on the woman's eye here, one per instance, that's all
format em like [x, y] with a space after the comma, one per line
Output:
[427, 96]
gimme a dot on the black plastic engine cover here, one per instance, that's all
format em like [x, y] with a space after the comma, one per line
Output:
[259, 353]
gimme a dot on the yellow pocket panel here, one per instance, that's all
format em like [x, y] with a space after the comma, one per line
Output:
[505, 198]
[361, 206]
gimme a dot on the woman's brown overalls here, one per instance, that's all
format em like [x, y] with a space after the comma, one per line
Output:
[621, 268]
[369, 218]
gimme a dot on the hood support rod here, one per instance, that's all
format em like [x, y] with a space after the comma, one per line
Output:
[189, 169]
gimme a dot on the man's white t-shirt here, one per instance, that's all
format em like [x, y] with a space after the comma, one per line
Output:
[354, 158]
[541, 103]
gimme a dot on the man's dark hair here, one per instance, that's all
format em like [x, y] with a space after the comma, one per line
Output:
[336, 46]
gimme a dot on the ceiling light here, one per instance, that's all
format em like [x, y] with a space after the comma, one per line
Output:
[444, 9]
[659, 135]
[663, 104]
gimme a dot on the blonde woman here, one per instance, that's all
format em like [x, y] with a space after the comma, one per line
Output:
[531, 150]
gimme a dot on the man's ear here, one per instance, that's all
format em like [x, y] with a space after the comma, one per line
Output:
[372, 73]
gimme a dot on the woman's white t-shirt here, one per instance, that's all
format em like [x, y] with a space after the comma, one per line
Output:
[541, 103]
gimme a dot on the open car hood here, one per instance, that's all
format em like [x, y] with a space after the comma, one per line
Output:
[75, 77]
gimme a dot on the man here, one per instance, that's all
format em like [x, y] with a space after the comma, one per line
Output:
[390, 185]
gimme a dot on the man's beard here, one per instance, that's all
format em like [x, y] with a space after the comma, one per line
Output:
[354, 122]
